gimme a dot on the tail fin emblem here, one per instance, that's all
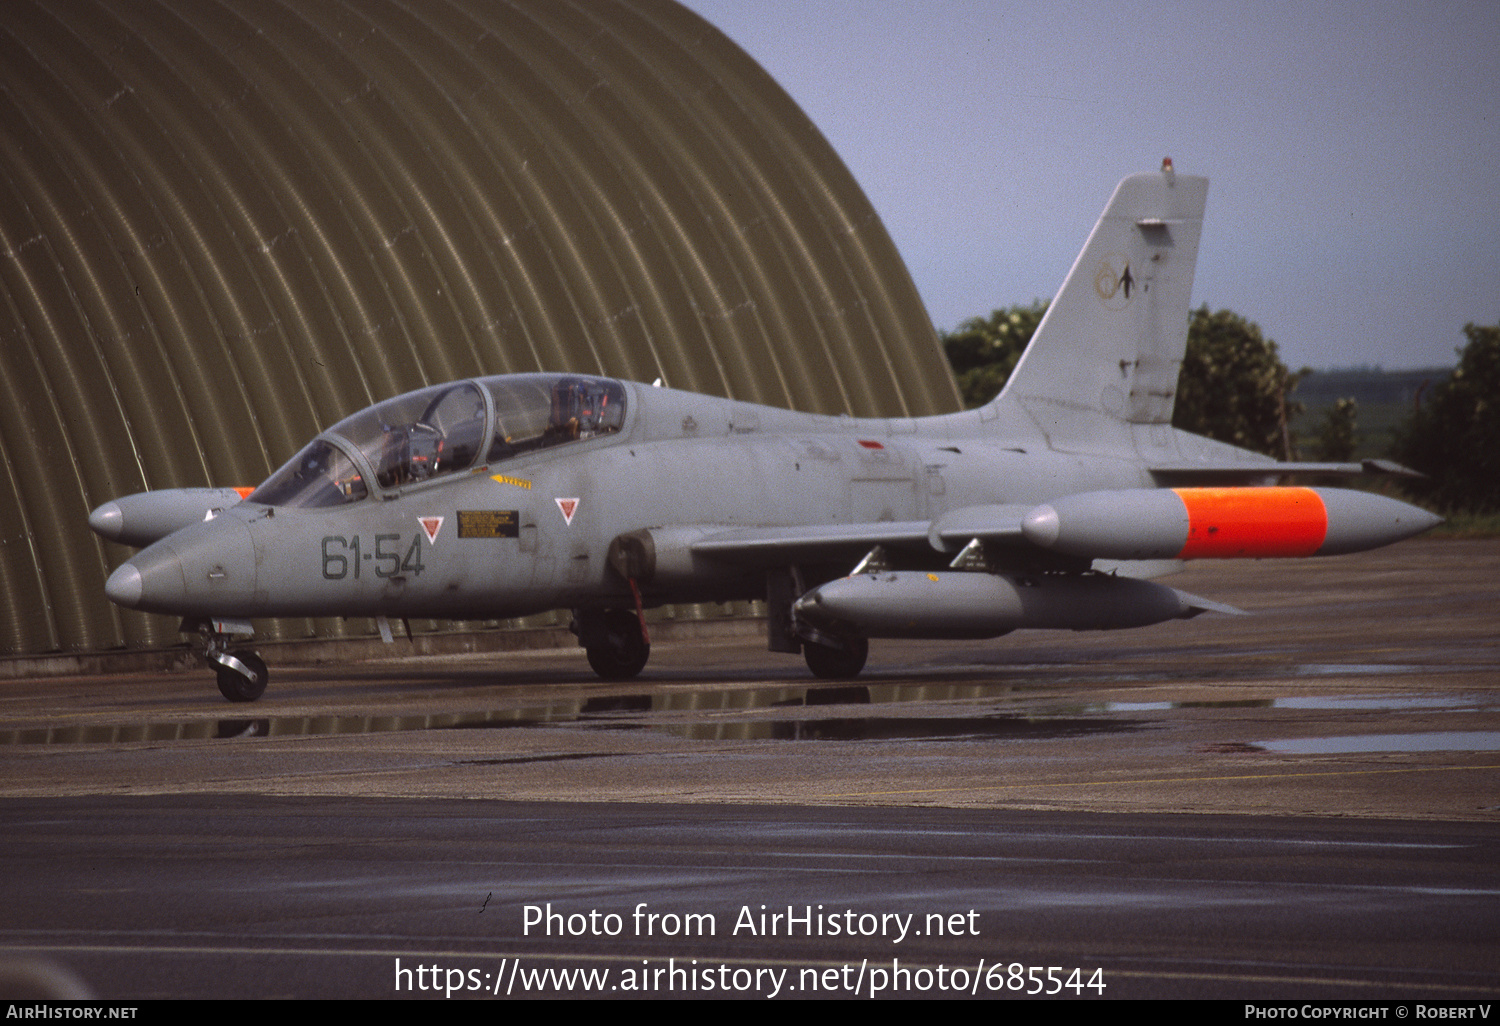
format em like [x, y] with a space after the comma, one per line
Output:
[1114, 286]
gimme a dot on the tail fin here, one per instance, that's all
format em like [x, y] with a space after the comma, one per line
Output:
[1107, 353]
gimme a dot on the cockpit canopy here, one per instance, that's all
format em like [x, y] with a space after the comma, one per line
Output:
[443, 429]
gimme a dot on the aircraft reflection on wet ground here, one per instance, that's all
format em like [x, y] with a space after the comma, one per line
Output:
[700, 715]
[923, 712]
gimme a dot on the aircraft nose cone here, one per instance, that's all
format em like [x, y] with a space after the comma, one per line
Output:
[148, 579]
[124, 585]
[204, 570]
[108, 520]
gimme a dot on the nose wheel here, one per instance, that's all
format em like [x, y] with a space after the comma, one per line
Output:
[242, 675]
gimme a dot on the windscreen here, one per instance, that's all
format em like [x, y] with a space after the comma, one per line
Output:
[419, 435]
[320, 475]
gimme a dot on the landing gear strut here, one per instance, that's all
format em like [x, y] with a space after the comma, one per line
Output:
[615, 641]
[242, 674]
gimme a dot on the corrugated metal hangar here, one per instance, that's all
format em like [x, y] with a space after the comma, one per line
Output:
[227, 225]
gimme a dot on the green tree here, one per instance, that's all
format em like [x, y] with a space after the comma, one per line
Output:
[983, 350]
[1233, 386]
[1338, 433]
[1454, 437]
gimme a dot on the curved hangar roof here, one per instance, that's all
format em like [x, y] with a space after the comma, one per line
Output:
[224, 226]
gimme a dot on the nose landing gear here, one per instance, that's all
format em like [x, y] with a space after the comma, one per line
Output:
[242, 674]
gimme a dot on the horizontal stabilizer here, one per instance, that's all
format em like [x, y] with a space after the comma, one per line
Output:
[1244, 473]
[1197, 604]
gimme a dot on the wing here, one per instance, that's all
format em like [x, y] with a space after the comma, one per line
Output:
[831, 542]
[935, 541]
[1132, 531]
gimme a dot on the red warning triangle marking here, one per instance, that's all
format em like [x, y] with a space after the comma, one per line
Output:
[431, 525]
[568, 507]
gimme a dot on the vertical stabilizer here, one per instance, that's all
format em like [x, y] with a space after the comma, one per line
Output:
[1107, 354]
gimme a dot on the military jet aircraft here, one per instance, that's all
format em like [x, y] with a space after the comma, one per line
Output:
[1051, 507]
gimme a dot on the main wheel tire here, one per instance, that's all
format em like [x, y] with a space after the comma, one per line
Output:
[832, 663]
[236, 686]
[624, 653]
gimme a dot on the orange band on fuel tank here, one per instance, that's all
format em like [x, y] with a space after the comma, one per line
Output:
[1252, 523]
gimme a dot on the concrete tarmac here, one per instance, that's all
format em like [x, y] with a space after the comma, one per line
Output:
[210, 896]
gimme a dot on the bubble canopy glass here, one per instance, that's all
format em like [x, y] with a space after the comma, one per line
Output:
[440, 430]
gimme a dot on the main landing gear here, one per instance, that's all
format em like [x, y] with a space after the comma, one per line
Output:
[615, 640]
[829, 656]
[840, 659]
[242, 674]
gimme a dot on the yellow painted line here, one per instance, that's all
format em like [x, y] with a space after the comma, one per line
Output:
[1161, 780]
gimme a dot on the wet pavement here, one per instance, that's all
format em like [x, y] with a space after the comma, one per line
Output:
[1363, 685]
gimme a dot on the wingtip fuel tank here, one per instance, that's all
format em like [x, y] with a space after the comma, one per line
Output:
[145, 517]
[1222, 523]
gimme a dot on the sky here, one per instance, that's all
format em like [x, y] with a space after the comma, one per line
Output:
[1352, 150]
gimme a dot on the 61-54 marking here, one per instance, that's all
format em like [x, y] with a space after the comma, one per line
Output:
[342, 555]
